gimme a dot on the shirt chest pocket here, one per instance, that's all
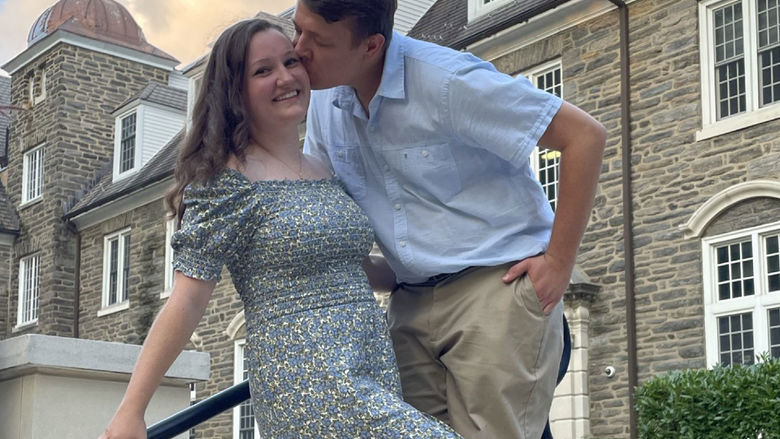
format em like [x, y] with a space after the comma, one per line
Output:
[348, 165]
[428, 169]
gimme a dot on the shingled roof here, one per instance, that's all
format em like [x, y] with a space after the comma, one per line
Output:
[446, 22]
[106, 190]
[160, 94]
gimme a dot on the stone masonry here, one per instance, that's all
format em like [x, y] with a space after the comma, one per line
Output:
[74, 122]
[672, 176]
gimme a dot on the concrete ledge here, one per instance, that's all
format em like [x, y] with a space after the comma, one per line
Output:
[34, 351]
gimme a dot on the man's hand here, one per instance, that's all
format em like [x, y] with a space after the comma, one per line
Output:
[549, 277]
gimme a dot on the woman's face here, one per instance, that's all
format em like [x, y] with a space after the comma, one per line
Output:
[276, 86]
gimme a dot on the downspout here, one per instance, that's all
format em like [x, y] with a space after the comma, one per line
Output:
[77, 281]
[628, 244]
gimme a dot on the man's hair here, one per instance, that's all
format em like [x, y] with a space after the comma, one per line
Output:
[368, 16]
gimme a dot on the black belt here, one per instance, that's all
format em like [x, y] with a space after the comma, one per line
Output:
[435, 279]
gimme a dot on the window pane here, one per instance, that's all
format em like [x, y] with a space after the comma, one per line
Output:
[774, 332]
[735, 336]
[246, 420]
[773, 263]
[127, 144]
[125, 267]
[113, 271]
[735, 270]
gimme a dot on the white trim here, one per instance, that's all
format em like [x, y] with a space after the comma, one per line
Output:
[139, 114]
[238, 376]
[757, 304]
[235, 324]
[540, 27]
[753, 114]
[115, 308]
[170, 227]
[61, 36]
[192, 94]
[26, 173]
[119, 236]
[34, 306]
[477, 8]
[141, 197]
[695, 226]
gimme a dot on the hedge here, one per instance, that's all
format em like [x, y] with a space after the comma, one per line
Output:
[740, 402]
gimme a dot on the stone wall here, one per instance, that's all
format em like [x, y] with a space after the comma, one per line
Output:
[7, 314]
[74, 121]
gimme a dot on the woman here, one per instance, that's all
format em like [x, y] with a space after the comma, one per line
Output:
[320, 360]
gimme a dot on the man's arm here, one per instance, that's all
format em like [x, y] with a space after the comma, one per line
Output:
[580, 139]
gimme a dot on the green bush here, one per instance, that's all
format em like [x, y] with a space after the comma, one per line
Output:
[740, 402]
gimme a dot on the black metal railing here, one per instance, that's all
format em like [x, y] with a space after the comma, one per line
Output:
[202, 411]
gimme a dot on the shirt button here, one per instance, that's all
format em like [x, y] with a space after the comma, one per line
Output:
[425, 153]
[403, 243]
[397, 207]
[387, 168]
[341, 153]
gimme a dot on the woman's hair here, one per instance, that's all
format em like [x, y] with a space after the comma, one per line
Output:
[370, 16]
[220, 123]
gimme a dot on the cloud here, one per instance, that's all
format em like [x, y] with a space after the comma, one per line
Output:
[182, 28]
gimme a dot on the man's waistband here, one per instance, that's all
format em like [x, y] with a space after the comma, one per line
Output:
[436, 279]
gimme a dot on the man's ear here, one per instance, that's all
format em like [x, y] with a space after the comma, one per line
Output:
[375, 45]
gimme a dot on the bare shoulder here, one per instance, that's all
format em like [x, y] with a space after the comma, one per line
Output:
[318, 167]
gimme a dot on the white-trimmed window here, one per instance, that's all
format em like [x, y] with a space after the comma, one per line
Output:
[170, 227]
[546, 162]
[243, 416]
[127, 136]
[116, 271]
[742, 295]
[32, 174]
[477, 8]
[740, 62]
[28, 290]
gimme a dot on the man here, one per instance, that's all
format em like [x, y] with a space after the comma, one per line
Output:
[434, 145]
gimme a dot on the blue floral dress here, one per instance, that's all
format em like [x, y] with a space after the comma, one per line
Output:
[320, 359]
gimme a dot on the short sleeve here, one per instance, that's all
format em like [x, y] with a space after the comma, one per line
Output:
[497, 112]
[208, 236]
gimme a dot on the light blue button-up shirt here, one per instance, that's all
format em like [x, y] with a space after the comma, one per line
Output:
[441, 167]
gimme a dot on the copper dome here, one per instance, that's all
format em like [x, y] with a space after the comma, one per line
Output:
[104, 20]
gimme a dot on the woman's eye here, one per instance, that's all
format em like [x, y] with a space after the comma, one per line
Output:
[292, 61]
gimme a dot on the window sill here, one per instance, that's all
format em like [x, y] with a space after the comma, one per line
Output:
[114, 308]
[32, 202]
[739, 122]
[24, 326]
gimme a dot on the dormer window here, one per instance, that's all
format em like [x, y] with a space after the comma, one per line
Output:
[478, 8]
[144, 124]
[127, 144]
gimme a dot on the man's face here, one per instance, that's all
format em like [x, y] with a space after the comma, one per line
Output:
[327, 49]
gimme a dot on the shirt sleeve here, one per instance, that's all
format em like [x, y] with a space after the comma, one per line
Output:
[497, 112]
[313, 143]
[209, 231]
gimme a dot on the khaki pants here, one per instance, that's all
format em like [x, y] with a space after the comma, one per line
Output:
[478, 354]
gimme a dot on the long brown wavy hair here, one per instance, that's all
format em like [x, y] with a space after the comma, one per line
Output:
[220, 122]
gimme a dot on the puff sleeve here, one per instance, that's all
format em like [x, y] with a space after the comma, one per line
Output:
[214, 221]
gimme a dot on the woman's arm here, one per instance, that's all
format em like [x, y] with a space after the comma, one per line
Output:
[380, 275]
[169, 333]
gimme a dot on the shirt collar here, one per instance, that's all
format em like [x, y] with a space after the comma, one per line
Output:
[392, 83]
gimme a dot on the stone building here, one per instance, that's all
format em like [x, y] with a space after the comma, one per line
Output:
[681, 254]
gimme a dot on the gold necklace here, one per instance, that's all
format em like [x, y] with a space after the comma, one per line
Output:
[299, 172]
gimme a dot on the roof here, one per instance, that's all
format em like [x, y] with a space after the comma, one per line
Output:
[105, 189]
[409, 12]
[446, 22]
[9, 220]
[103, 20]
[160, 94]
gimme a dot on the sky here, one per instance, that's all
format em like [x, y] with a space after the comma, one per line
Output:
[182, 28]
